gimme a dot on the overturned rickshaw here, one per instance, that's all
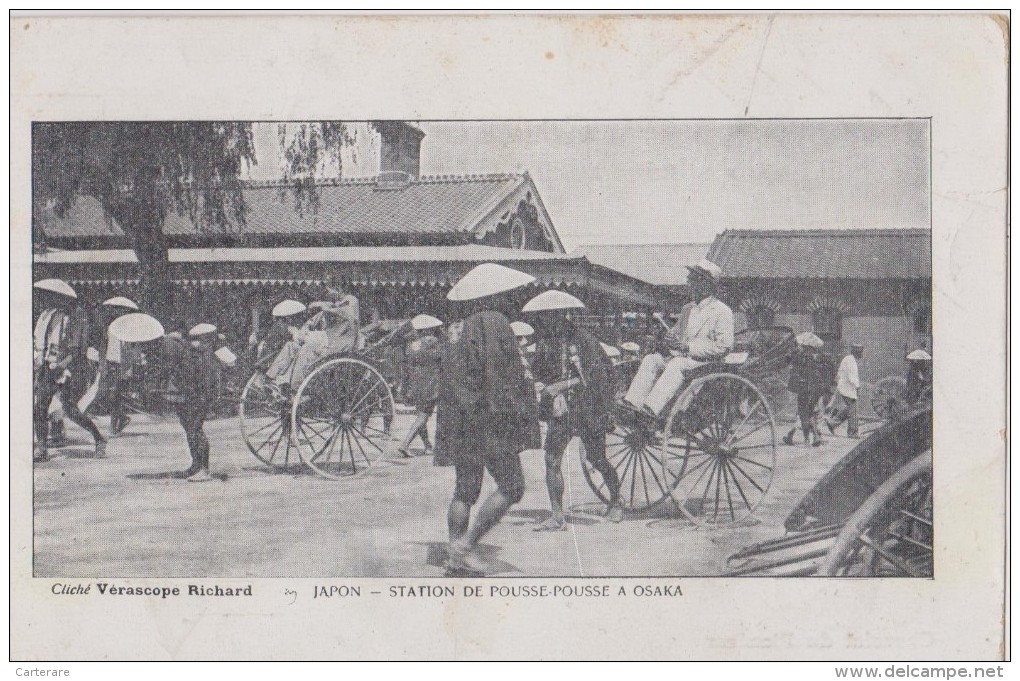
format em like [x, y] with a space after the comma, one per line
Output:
[871, 515]
[713, 454]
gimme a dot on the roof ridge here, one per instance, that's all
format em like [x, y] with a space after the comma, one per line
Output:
[650, 244]
[373, 179]
[866, 231]
[469, 177]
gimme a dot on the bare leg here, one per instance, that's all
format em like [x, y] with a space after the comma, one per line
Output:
[489, 515]
[419, 422]
[556, 440]
[457, 519]
[70, 400]
[554, 481]
[423, 434]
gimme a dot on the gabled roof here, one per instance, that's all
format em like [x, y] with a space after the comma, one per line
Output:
[824, 254]
[430, 205]
[658, 264]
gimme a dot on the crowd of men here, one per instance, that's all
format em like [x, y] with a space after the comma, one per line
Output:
[489, 381]
[78, 356]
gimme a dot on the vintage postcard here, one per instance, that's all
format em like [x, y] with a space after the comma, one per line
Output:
[684, 334]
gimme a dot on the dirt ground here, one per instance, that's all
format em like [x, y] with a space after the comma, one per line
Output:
[125, 516]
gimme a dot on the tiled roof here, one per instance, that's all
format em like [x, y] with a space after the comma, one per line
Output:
[426, 205]
[365, 254]
[658, 264]
[85, 217]
[824, 254]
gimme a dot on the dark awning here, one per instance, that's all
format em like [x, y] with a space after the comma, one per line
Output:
[427, 266]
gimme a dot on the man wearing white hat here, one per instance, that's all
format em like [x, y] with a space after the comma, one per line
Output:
[704, 334]
[116, 362]
[577, 398]
[810, 377]
[194, 373]
[918, 376]
[523, 332]
[61, 340]
[288, 316]
[484, 407]
[422, 365]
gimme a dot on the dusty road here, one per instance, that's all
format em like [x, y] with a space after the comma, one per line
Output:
[124, 517]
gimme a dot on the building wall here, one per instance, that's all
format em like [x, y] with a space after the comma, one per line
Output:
[877, 313]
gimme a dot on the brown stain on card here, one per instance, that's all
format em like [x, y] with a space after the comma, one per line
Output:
[601, 29]
[1002, 22]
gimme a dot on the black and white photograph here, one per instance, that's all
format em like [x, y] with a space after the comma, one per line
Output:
[521, 348]
[507, 336]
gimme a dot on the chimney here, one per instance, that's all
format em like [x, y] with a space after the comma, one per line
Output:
[401, 147]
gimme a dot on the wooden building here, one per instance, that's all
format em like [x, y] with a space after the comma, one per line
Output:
[397, 241]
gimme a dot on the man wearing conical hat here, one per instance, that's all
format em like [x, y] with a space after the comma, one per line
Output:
[577, 398]
[193, 371]
[61, 341]
[484, 406]
[422, 366]
[704, 334]
[919, 376]
[117, 361]
[811, 374]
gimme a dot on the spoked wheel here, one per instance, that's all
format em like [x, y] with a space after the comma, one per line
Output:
[718, 450]
[265, 423]
[889, 400]
[341, 417]
[631, 450]
[891, 534]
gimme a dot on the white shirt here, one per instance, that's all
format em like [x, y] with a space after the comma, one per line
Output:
[847, 378]
[112, 348]
[49, 336]
[709, 332]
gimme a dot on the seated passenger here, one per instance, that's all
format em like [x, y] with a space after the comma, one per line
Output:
[332, 330]
[288, 315]
[703, 334]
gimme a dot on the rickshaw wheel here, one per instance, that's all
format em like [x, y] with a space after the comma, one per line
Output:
[719, 450]
[889, 400]
[891, 534]
[632, 451]
[264, 414]
[341, 416]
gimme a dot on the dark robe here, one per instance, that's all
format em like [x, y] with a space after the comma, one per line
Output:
[424, 363]
[485, 400]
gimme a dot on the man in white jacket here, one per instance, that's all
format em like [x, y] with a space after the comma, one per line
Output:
[848, 380]
[704, 334]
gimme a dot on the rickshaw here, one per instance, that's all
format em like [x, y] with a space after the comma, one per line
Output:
[869, 516]
[713, 454]
[895, 396]
[333, 412]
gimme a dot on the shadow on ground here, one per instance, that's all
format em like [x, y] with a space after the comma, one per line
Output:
[436, 555]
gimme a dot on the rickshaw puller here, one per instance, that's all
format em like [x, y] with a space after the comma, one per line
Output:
[484, 406]
[194, 371]
[576, 401]
[61, 341]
